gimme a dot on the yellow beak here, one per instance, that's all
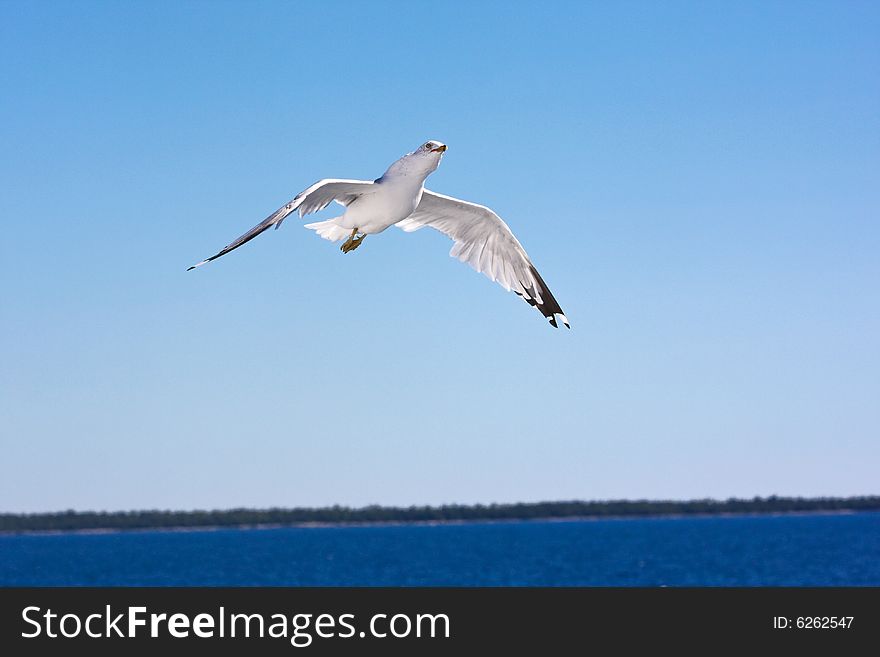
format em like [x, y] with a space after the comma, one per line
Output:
[439, 149]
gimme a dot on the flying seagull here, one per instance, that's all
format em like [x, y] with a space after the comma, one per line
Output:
[399, 198]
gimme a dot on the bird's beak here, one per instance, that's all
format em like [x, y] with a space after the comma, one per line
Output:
[439, 149]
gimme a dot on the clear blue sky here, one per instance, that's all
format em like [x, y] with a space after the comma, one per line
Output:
[699, 184]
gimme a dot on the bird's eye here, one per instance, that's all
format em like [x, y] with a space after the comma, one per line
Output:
[428, 145]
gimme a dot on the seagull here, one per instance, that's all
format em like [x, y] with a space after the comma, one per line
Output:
[399, 198]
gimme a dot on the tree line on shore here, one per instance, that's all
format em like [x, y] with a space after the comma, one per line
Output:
[158, 519]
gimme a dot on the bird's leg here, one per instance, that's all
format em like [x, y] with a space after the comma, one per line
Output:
[346, 245]
[352, 243]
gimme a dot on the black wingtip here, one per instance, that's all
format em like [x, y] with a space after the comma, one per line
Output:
[548, 306]
[190, 268]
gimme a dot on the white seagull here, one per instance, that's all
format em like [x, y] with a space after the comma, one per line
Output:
[399, 198]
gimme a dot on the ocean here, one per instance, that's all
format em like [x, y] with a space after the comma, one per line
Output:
[783, 550]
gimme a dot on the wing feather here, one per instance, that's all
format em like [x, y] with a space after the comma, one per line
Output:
[313, 199]
[486, 243]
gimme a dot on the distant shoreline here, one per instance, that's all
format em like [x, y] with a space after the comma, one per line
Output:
[418, 523]
[86, 522]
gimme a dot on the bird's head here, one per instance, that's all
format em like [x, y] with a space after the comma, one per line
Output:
[430, 153]
[421, 162]
[432, 147]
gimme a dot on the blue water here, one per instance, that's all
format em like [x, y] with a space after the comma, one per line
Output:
[809, 550]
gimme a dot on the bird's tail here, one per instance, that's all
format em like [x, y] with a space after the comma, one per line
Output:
[330, 230]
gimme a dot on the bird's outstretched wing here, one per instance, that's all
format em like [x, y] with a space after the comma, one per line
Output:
[485, 242]
[315, 198]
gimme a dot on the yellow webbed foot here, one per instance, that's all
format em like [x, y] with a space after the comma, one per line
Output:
[352, 243]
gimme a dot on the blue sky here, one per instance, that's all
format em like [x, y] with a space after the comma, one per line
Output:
[697, 182]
